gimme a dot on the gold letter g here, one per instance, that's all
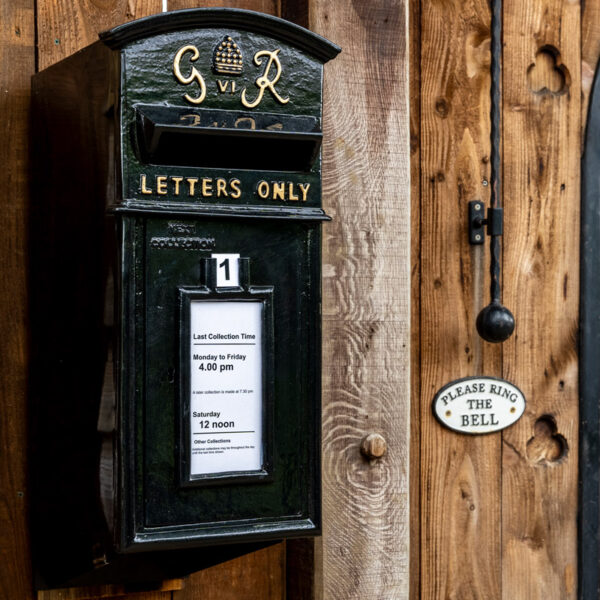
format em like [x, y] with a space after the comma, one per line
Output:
[193, 76]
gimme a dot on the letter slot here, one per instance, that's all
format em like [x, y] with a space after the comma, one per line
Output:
[227, 139]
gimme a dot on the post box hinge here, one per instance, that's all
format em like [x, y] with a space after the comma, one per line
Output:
[478, 222]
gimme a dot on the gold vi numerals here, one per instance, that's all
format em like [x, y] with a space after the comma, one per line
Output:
[227, 59]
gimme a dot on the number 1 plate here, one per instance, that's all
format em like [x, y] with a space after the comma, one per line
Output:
[228, 274]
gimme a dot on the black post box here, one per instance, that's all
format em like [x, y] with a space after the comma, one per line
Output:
[175, 272]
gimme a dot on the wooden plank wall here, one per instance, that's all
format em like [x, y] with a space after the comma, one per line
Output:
[498, 514]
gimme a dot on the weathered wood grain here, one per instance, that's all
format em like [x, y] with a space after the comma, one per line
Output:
[17, 64]
[366, 303]
[256, 576]
[414, 32]
[460, 475]
[541, 257]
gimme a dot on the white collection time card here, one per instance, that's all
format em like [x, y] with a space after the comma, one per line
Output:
[226, 395]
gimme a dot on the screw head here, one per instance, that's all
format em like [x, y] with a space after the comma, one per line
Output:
[477, 237]
[478, 207]
[373, 446]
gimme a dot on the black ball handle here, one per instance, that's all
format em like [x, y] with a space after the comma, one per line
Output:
[495, 323]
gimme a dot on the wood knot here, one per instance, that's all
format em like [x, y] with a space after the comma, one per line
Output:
[373, 446]
[442, 108]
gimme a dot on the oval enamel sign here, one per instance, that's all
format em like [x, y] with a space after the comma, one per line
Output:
[478, 405]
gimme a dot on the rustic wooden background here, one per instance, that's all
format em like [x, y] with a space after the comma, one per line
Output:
[492, 517]
[498, 513]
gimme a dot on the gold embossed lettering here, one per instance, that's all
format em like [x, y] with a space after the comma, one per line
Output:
[207, 187]
[263, 189]
[195, 119]
[193, 76]
[278, 190]
[221, 187]
[251, 122]
[293, 197]
[234, 184]
[263, 82]
[143, 187]
[226, 86]
[161, 185]
[192, 181]
[176, 181]
[304, 187]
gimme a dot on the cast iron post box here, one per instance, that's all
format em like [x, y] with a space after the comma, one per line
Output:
[179, 173]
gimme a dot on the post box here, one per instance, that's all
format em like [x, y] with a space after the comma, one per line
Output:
[175, 272]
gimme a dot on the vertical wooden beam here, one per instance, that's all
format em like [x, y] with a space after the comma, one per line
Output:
[542, 125]
[414, 28]
[17, 64]
[460, 475]
[366, 303]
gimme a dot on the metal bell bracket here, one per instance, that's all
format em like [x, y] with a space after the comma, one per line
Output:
[477, 221]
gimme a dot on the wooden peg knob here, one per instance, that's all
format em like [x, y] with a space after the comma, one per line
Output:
[373, 446]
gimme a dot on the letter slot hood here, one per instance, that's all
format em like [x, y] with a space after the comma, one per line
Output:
[227, 139]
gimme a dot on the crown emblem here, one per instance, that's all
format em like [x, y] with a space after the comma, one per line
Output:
[227, 57]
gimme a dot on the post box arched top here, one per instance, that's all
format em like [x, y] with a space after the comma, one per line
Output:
[203, 18]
